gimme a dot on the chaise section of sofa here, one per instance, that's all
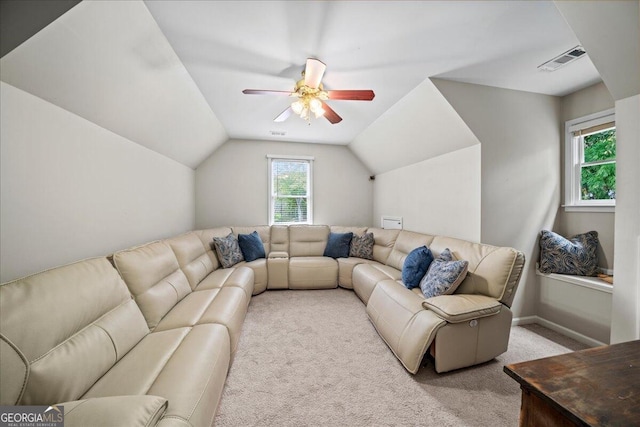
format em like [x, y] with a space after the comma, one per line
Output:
[74, 335]
[466, 328]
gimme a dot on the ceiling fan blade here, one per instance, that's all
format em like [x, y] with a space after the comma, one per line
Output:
[331, 115]
[265, 92]
[353, 95]
[284, 115]
[313, 73]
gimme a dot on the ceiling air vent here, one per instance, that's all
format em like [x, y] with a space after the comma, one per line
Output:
[277, 133]
[564, 59]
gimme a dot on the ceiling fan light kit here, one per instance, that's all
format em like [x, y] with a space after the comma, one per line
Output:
[311, 95]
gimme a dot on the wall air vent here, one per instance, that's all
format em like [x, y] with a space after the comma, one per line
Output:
[563, 59]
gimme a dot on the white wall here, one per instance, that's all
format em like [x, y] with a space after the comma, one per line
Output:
[70, 189]
[625, 324]
[520, 137]
[583, 313]
[232, 184]
[615, 52]
[592, 99]
[438, 196]
[420, 126]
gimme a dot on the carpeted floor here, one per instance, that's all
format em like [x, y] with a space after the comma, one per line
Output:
[312, 358]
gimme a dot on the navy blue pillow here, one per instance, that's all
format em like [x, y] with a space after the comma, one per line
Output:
[338, 245]
[251, 246]
[415, 266]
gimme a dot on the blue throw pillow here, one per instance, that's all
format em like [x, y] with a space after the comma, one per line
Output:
[338, 245]
[251, 246]
[415, 266]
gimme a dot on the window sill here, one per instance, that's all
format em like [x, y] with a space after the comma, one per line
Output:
[592, 208]
[584, 281]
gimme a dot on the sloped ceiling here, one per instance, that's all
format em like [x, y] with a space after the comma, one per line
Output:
[109, 63]
[610, 30]
[169, 74]
[422, 125]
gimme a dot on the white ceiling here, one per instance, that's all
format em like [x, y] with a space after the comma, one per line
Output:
[390, 47]
[169, 74]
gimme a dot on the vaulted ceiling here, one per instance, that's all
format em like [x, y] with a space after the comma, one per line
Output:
[169, 74]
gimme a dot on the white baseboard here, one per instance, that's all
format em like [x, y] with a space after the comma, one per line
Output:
[527, 320]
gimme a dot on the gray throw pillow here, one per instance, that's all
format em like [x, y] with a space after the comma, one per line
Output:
[362, 246]
[444, 275]
[577, 255]
[228, 250]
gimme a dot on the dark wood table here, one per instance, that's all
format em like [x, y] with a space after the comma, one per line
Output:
[594, 387]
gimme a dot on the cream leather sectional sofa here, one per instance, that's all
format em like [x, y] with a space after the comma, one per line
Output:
[146, 336]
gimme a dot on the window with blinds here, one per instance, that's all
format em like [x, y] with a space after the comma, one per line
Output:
[290, 190]
[591, 161]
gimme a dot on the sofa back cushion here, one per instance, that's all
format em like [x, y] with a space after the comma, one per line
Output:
[264, 231]
[493, 271]
[63, 329]
[279, 239]
[357, 231]
[206, 237]
[405, 243]
[308, 240]
[154, 278]
[192, 257]
[384, 241]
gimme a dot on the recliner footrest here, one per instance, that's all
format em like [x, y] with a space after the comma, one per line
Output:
[459, 308]
[402, 322]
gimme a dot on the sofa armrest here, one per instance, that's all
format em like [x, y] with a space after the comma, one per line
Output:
[279, 254]
[460, 308]
[141, 410]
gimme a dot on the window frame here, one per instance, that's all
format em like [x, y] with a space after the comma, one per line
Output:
[272, 196]
[573, 164]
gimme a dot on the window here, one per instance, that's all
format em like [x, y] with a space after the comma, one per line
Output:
[290, 185]
[590, 163]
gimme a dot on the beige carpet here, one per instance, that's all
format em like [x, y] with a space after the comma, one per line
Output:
[312, 358]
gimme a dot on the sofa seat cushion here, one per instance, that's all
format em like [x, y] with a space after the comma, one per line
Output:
[226, 306]
[186, 366]
[260, 274]
[462, 307]
[313, 272]
[241, 277]
[133, 411]
[366, 276]
[402, 322]
[345, 270]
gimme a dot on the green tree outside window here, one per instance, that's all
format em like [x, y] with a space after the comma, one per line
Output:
[598, 174]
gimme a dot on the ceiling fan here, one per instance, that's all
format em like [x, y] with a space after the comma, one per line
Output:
[311, 95]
